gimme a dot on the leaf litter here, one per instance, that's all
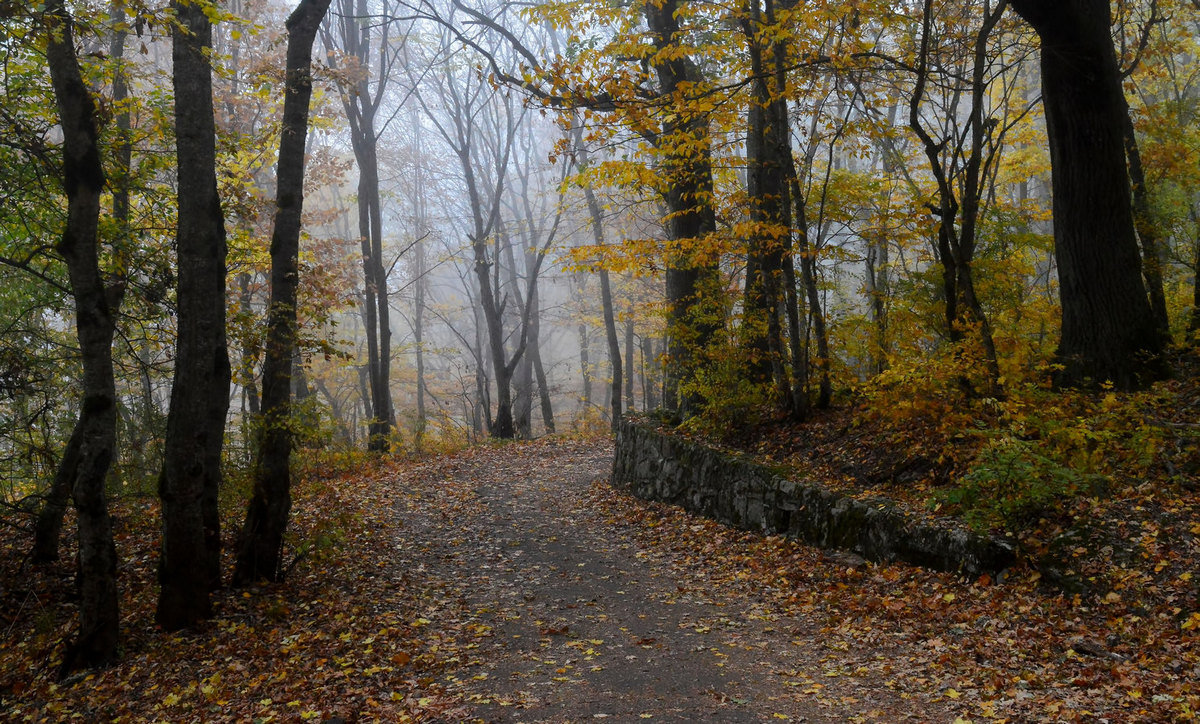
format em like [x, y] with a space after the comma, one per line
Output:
[512, 583]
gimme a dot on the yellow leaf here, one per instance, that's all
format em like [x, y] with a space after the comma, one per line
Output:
[171, 699]
[948, 597]
[952, 694]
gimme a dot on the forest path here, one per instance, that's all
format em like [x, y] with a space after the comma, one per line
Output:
[558, 609]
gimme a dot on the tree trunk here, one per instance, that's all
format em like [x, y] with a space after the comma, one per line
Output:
[877, 294]
[585, 365]
[190, 557]
[957, 223]
[250, 351]
[808, 278]
[539, 374]
[260, 547]
[799, 344]
[95, 434]
[1194, 322]
[1108, 328]
[419, 291]
[48, 525]
[1147, 232]
[629, 358]
[361, 107]
[687, 164]
[47, 530]
[768, 151]
[649, 388]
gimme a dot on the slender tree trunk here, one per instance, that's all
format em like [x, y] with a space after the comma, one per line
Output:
[585, 365]
[957, 224]
[799, 344]
[629, 347]
[47, 530]
[419, 291]
[1194, 322]
[649, 388]
[1108, 328]
[614, 348]
[250, 351]
[260, 547]
[361, 108]
[877, 294]
[95, 434]
[190, 557]
[1147, 231]
[596, 219]
[808, 278]
[539, 373]
[48, 525]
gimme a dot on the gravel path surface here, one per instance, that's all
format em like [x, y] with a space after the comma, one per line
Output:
[559, 614]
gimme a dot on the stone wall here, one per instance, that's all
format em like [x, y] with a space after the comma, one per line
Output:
[658, 466]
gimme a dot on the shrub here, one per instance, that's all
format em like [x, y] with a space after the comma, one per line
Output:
[1011, 485]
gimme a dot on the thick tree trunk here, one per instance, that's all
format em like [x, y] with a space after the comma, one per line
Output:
[260, 546]
[769, 154]
[687, 165]
[190, 557]
[1108, 328]
[95, 435]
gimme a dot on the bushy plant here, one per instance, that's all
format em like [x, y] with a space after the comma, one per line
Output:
[1012, 484]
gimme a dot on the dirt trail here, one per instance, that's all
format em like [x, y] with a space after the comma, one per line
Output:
[558, 613]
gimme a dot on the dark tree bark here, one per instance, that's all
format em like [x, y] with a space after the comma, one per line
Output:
[1194, 320]
[1108, 328]
[93, 443]
[539, 375]
[596, 217]
[361, 107]
[251, 350]
[585, 365]
[419, 292]
[190, 565]
[769, 153]
[957, 224]
[47, 529]
[48, 525]
[629, 347]
[689, 198]
[1148, 236]
[777, 204]
[260, 547]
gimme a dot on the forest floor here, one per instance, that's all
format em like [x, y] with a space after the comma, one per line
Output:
[510, 583]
